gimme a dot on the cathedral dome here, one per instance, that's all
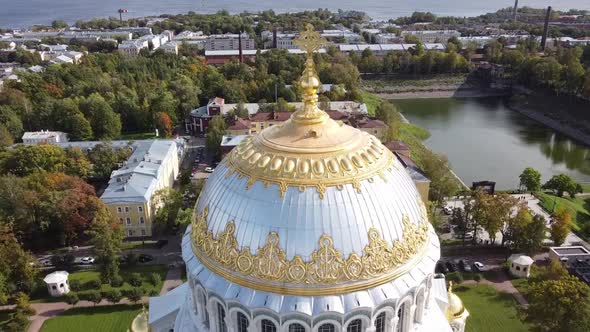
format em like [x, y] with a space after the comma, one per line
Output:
[310, 207]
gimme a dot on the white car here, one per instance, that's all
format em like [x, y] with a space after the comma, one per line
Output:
[479, 266]
[209, 169]
[87, 260]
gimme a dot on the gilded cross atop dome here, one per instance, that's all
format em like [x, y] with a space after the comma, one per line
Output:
[310, 40]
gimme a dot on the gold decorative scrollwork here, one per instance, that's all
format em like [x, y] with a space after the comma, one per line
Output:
[326, 266]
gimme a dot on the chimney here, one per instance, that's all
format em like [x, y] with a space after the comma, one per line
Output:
[515, 10]
[274, 37]
[545, 29]
[240, 47]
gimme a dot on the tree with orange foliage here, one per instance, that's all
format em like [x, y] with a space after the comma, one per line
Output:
[561, 226]
[164, 124]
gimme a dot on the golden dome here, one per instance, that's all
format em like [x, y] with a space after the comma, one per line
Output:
[310, 149]
[455, 309]
[362, 225]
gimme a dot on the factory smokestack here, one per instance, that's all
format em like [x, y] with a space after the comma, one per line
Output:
[241, 56]
[545, 29]
[515, 10]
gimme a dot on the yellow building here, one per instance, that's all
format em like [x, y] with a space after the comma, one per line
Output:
[153, 165]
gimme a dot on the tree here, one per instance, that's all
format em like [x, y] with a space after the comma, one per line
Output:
[214, 136]
[562, 183]
[93, 296]
[241, 111]
[15, 262]
[561, 226]
[561, 305]
[493, 51]
[59, 24]
[114, 296]
[530, 178]
[164, 124]
[170, 201]
[135, 294]
[494, 213]
[5, 137]
[77, 163]
[107, 237]
[72, 299]
[105, 123]
[104, 159]
[436, 168]
[28, 159]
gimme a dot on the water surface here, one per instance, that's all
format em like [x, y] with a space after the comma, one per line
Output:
[24, 13]
[484, 140]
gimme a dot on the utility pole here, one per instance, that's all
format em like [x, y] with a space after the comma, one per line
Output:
[515, 10]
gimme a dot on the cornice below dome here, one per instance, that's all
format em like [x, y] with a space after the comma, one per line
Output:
[364, 158]
[325, 272]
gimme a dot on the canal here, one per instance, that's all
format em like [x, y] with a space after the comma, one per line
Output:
[484, 140]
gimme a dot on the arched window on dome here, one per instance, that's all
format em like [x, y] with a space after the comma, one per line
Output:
[380, 323]
[296, 327]
[420, 305]
[403, 318]
[221, 327]
[326, 328]
[355, 326]
[267, 326]
[243, 322]
[203, 299]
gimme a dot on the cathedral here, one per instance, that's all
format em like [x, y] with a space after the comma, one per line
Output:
[310, 226]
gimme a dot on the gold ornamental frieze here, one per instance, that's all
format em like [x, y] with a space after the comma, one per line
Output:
[326, 271]
[256, 162]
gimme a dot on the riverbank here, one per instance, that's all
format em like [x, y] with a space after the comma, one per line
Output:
[569, 118]
[434, 86]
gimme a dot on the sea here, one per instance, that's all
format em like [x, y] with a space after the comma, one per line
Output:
[25, 13]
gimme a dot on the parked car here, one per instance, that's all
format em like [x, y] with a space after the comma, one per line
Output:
[144, 258]
[479, 266]
[448, 210]
[209, 169]
[465, 265]
[87, 260]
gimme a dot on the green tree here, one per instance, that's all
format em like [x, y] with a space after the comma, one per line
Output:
[77, 163]
[170, 201]
[561, 305]
[5, 137]
[107, 237]
[561, 226]
[563, 183]
[105, 123]
[530, 178]
[114, 296]
[28, 159]
[436, 168]
[104, 159]
[493, 51]
[15, 262]
[214, 136]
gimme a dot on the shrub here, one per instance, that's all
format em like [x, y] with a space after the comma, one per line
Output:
[23, 305]
[154, 278]
[18, 323]
[114, 296]
[153, 292]
[117, 281]
[92, 284]
[75, 285]
[455, 277]
[72, 298]
[134, 279]
[477, 277]
[93, 296]
[135, 294]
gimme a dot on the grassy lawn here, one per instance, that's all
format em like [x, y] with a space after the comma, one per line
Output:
[112, 318]
[489, 310]
[579, 206]
[144, 270]
[371, 101]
